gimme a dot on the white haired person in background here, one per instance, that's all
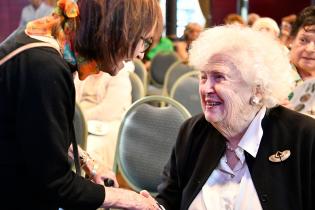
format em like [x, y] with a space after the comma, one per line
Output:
[267, 25]
[245, 151]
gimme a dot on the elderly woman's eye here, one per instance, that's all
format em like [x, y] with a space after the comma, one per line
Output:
[219, 77]
[203, 77]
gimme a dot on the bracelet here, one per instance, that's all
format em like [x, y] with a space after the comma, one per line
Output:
[90, 170]
[84, 158]
[160, 206]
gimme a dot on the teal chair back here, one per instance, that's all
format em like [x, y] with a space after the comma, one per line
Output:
[159, 66]
[173, 73]
[186, 91]
[80, 127]
[137, 88]
[145, 140]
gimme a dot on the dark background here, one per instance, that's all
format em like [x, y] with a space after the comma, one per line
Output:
[10, 11]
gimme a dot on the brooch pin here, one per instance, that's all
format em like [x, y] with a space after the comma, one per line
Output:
[280, 156]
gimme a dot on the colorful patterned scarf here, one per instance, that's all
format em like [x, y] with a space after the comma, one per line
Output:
[64, 14]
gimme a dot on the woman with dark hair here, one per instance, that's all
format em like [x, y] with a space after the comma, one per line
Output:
[285, 29]
[303, 43]
[302, 56]
[191, 33]
[37, 100]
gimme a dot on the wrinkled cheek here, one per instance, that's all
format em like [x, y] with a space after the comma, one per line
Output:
[231, 106]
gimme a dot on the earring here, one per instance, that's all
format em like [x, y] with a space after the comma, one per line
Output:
[254, 101]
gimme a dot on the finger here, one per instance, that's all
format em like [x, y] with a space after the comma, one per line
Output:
[145, 193]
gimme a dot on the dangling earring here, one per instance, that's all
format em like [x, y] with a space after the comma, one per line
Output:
[254, 101]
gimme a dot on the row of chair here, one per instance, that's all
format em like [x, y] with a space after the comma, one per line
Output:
[180, 83]
[150, 126]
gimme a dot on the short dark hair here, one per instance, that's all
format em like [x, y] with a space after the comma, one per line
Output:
[304, 19]
[233, 17]
[109, 30]
[289, 19]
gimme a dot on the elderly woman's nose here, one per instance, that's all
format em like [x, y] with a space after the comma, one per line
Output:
[209, 86]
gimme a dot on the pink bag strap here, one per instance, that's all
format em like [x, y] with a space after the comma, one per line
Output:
[25, 47]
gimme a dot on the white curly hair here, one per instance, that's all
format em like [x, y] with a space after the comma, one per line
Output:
[261, 60]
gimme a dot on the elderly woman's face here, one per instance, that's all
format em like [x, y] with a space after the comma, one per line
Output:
[303, 50]
[224, 93]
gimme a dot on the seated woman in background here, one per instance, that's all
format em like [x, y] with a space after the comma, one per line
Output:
[36, 9]
[285, 29]
[245, 151]
[191, 33]
[251, 19]
[233, 19]
[302, 56]
[303, 44]
[161, 45]
[267, 25]
[104, 97]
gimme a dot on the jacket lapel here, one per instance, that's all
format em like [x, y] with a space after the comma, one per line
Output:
[208, 158]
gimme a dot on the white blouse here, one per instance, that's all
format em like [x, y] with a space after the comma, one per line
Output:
[227, 188]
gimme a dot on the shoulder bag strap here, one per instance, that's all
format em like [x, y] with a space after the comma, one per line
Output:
[25, 47]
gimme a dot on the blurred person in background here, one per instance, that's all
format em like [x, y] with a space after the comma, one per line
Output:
[191, 33]
[285, 29]
[233, 19]
[252, 17]
[161, 45]
[37, 101]
[36, 9]
[303, 43]
[302, 56]
[268, 26]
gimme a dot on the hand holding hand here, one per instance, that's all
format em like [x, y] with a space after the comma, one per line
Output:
[147, 195]
[126, 199]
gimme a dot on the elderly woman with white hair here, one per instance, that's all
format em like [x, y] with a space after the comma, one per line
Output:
[245, 151]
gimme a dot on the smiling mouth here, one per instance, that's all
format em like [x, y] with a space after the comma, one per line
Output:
[213, 104]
